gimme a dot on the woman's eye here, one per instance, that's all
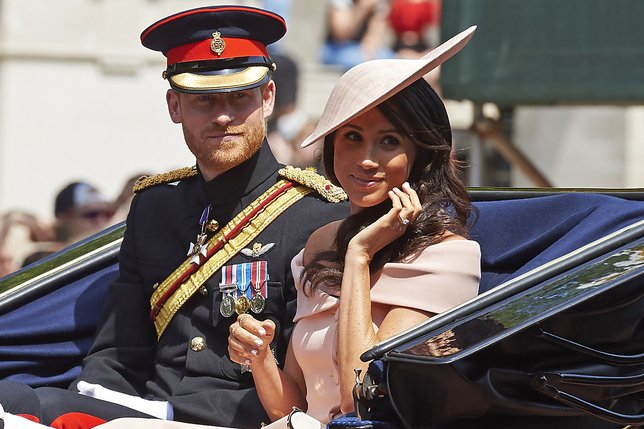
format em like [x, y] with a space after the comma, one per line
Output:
[390, 141]
[352, 135]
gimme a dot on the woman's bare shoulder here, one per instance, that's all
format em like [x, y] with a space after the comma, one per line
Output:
[321, 239]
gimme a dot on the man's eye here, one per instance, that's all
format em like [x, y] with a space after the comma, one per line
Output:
[204, 98]
[237, 95]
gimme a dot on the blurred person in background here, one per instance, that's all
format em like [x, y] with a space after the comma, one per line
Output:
[356, 31]
[415, 25]
[289, 124]
[125, 197]
[411, 22]
[21, 234]
[81, 210]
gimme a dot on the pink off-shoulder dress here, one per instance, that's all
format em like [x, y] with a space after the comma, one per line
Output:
[441, 277]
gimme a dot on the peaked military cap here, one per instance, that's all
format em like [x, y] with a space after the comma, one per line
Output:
[216, 48]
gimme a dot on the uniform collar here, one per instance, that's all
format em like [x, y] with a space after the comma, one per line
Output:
[243, 179]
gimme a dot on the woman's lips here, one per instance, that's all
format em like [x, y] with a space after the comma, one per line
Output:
[366, 181]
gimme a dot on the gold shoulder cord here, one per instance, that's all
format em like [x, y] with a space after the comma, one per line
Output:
[253, 228]
[168, 177]
[309, 177]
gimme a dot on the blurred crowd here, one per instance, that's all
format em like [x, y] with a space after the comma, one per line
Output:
[79, 210]
[360, 30]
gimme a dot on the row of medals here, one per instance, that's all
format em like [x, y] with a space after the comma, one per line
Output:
[229, 305]
[240, 305]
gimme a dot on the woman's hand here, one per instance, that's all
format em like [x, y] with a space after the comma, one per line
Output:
[405, 209]
[249, 344]
[249, 340]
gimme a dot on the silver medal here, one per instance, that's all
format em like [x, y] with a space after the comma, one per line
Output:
[257, 302]
[227, 306]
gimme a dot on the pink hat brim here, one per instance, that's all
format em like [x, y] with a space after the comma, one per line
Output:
[372, 82]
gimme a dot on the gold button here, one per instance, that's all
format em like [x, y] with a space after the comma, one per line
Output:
[198, 344]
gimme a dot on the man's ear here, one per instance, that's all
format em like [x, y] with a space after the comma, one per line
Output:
[174, 106]
[268, 98]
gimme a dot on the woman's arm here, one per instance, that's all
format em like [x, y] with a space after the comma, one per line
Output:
[356, 332]
[344, 23]
[278, 390]
[374, 37]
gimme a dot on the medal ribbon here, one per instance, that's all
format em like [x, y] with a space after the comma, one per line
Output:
[174, 291]
[247, 276]
[204, 218]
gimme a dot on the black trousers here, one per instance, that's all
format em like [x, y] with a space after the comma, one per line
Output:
[60, 408]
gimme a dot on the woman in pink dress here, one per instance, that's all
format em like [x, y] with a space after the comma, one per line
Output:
[402, 255]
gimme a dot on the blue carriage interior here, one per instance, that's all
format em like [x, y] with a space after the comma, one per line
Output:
[45, 336]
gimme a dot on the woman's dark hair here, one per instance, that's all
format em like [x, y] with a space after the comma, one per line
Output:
[416, 111]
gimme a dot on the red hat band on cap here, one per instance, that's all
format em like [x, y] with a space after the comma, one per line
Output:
[216, 48]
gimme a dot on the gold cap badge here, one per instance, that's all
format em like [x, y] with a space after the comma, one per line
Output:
[217, 45]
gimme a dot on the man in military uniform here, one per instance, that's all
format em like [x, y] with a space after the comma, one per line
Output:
[203, 244]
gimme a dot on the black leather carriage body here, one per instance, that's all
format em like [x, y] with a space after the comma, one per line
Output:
[559, 346]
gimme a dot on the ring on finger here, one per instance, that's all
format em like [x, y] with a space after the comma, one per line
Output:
[403, 220]
[240, 320]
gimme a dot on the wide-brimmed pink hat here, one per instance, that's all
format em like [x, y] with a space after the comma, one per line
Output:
[372, 82]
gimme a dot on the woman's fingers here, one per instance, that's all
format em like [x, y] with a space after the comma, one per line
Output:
[395, 199]
[406, 210]
[242, 356]
[417, 207]
[244, 340]
[236, 350]
[413, 196]
[250, 324]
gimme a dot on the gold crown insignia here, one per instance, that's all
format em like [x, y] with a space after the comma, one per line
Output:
[217, 45]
